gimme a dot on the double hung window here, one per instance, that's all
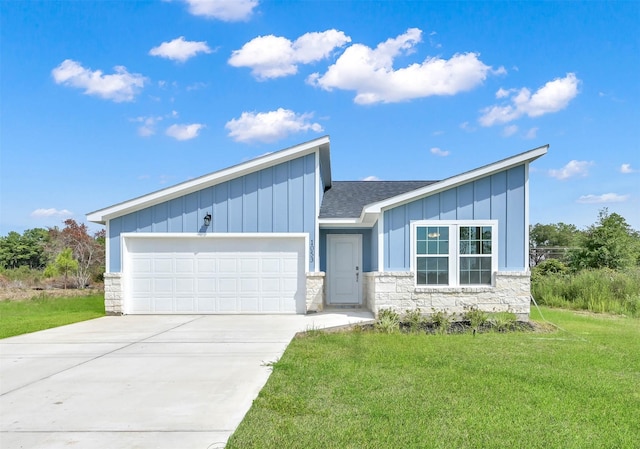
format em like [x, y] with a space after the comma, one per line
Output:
[454, 253]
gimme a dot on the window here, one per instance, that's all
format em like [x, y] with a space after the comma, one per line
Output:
[454, 253]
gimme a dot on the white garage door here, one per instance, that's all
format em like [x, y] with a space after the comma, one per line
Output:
[205, 274]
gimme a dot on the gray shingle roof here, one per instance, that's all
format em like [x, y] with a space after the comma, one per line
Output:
[346, 199]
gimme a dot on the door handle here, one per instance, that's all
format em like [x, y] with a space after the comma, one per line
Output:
[357, 274]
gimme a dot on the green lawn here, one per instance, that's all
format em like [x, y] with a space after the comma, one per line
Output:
[21, 317]
[577, 388]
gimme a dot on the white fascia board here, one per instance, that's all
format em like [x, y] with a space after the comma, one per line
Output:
[526, 217]
[193, 185]
[454, 181]
[381, 247]
[342, 223]
[316, 243]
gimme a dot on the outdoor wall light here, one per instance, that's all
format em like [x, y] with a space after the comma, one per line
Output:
[207, 219]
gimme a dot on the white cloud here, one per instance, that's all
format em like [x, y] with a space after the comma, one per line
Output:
[502, 93]
[52, 212]
[370, 72]
[179, 49]
[439, 152]
[626, 168]
[225, 10]
[509, 130]
[120, 86]
[196, 86]
[532, 133]
[371, 178]
[148, 126]
[604, 198]
[269, 126]
[572, 169]
[465, 126]
[275, 56]
[552, 97]
[149, 123]
[184, 132]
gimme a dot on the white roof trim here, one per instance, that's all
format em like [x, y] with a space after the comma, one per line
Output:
[326, 223]
[505, 164]
[193, 185]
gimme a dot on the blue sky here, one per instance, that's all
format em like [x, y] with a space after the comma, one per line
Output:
[105, 101]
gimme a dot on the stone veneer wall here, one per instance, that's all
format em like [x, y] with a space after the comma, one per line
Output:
[396, 290]
[113, 293]
[315, 292]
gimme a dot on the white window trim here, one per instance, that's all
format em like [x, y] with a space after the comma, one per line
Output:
[454, 250]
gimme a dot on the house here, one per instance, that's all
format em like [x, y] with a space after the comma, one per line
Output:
[277, 234]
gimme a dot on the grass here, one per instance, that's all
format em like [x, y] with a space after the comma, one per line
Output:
[594, 290]
[21, 317]
[571, 388]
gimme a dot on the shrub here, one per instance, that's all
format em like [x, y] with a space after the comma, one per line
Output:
[503, 321]
[441, 320]
[413, 320]
[388, 321]
[549, 266]
[476, 318]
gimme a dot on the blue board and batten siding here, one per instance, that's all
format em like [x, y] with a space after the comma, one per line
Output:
[500, 197]
[281, 198]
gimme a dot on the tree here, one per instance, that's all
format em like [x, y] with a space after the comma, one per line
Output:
[65, 264]
[87, 250]
[550, 241]
[610, 243]
[27, 249]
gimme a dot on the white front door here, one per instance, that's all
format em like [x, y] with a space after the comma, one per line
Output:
[344, 269]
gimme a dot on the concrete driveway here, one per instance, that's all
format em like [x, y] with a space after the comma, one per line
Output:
[142, 381]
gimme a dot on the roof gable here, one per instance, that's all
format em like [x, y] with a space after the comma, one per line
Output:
[454, 181]
[321, 145]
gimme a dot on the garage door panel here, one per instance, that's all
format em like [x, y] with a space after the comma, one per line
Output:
[228, 304]
[227, 285]
[142, 285]
[186, 285]
[162, 304]
[206, 285]
[185, 304]
[210, 275]
[270, 285]
[162, 265]
[249, 285]
[184, 265]
[249, 304]
[205, 304]
[270, 265]
[162, 285]
[205, 265]
[141, 265]
[250, 265]
[227, 264]
[272, 304]
[140, 305]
